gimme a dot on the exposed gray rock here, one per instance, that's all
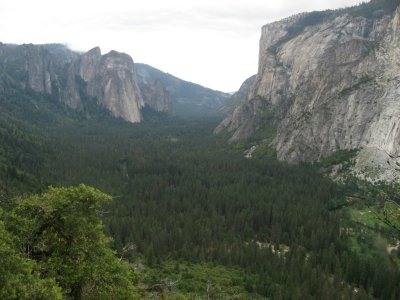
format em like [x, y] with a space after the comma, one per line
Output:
[156, 96]
[244, 120]
[112, 79]
[38, 67]
[70, 94]
[238, 97]
[333, 85]
[89, 64]
[71, 77]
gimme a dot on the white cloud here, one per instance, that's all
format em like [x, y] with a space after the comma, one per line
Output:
[213, 43]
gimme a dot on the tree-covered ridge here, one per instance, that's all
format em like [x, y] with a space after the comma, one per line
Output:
[372, 9]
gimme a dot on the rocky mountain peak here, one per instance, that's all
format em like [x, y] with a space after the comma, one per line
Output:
[71, 78]
[112, 79]
[89, 62]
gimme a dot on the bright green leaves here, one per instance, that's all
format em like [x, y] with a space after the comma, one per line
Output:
[63, 219]
[17, 279]
[61, 230]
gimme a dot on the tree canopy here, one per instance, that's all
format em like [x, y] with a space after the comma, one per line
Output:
[62, 232]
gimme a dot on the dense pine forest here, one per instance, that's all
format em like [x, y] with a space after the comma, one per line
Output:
[95, 208]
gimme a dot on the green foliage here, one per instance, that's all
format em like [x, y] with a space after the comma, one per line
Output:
[62, 231]
[372, 234]
[182, 280]
[339, 157]
[363, 80]
[18, 277]
[21, 151]
[266, 129]
[264, 151]
[184, 194]
[373, 9]
[181, 195]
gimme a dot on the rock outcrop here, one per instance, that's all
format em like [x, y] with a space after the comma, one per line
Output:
[31, 65]
[39, 69]
[72, 78]
[111, 78]
[156, 96]
[332, 80]
[236, 99]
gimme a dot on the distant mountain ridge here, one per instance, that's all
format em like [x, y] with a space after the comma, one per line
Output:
[110, 80]
[236, 98]
[187, 98]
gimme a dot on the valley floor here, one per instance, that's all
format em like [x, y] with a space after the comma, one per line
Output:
[197, 220]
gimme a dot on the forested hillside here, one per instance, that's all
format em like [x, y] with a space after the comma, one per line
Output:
[188, 99]
[190, 214]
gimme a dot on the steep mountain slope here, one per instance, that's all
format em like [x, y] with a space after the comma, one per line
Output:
[331, 80]
[72, 78]
[156, 96]
[239, 96]
[187, 98]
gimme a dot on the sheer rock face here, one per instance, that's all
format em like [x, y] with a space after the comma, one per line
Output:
[112, 79]
[335, 85]
[156, 96]
[236, 99]
[71, 95]
[31, 65]
[39, 69]
[70, 77]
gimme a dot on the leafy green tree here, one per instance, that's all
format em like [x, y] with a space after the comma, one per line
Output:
[61, 230]
[17, 277]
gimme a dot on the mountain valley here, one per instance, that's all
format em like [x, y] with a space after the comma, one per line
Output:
[121, 181]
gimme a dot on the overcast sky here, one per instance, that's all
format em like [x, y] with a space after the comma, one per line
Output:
[210, 42]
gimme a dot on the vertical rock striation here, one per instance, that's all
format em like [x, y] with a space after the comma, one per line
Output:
[156, 96]
[111, 79]
[72, 78]
[333, 81]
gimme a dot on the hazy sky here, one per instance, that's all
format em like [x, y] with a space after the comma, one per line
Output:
[210, 42]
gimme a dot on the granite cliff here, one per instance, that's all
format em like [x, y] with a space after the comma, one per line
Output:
[111, 78]
[332, 81]
[72, 78]
[156, 96]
